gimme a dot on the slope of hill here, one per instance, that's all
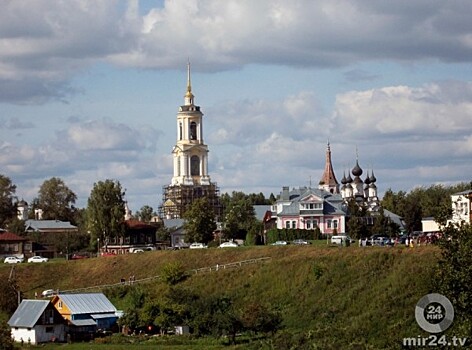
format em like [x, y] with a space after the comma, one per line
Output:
[328, 296]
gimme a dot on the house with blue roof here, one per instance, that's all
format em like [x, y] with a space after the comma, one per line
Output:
[37, 321]
[86, 312]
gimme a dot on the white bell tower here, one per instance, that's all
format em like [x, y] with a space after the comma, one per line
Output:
[190, 153]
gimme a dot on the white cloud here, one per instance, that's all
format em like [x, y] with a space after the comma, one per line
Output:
[403, 111]
[43, 46]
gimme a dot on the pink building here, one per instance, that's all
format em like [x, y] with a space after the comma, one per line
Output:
[326, 206]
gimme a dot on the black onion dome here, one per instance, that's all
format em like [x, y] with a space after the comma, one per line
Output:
[367, 179]
[372, 177]
[349, 179]
[357, 171]
[344, 180]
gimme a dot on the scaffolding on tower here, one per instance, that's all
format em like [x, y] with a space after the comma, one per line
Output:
[177, 199]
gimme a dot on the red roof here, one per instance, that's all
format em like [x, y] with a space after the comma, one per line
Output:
[9, 236]
[136, 224]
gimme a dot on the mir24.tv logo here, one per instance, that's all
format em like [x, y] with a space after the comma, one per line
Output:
[434, 313]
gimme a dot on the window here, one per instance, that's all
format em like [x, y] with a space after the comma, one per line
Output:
[335, 223]
[180, 131]
[193, 131]
[294, 224]
[315, 223]
[287, 224]
[49, 329]
[59, 305]
[308, 224]
[195, 166]
[48, 316]
[329, 223]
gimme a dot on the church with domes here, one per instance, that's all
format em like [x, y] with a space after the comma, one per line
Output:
[326, 207]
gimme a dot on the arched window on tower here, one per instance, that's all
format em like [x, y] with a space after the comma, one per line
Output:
[193, 131]
[180, 131]
[195, 166]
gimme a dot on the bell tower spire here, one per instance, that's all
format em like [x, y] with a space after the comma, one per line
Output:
[188, 95]
[328, 181]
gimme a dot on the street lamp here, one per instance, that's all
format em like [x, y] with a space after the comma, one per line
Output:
[98, 247]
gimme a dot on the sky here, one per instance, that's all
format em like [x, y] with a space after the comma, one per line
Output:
[89, 91]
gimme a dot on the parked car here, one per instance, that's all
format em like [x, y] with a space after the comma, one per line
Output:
[78, 256]
[228, 245]
[379, 240]
[280, 243]
[198, 246]
[107, 254]
[12, 260]
[48, 293]
[340, 239]
[138, 251]
[300, 242]
[37, 259]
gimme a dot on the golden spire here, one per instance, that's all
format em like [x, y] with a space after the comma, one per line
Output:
[188, 95]
[189, 85]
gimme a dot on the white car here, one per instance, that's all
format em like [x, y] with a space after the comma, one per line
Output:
[228, 245]
[48, 293]
[37, 259]
[12, 260]
[280, 243]
[198, 246]
[300, 242]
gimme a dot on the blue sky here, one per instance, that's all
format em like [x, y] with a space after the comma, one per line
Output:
[89, 90]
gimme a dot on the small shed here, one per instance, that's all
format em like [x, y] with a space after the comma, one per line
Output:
[37, 321]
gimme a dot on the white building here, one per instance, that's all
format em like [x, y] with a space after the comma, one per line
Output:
[37, 321]
[461, 208]
[461, 212]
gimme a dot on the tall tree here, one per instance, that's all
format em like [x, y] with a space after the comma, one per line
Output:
[239, 217]
[454, 273]
[145, 213]
[356, 225]
[56, 200]
[200, 222]
[7, 197]
[106, 211]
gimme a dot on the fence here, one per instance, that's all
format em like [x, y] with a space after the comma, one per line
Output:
[201, 270]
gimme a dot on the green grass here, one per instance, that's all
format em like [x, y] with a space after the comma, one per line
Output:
[329, 297]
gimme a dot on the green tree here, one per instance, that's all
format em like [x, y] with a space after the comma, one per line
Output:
[173, 273]
[163, 234]
[7, 198]
[105, 211]
[56, 200]
[454, 273]
[17, 226]
[6, 341]
[239, 218]
[131, 317]
[413, 213]
[199, 222]
[394, 202]
[145, 213]
[259, 318]
[356, 224]
[9, 296]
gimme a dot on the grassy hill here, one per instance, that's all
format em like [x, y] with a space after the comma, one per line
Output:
[329, 297]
